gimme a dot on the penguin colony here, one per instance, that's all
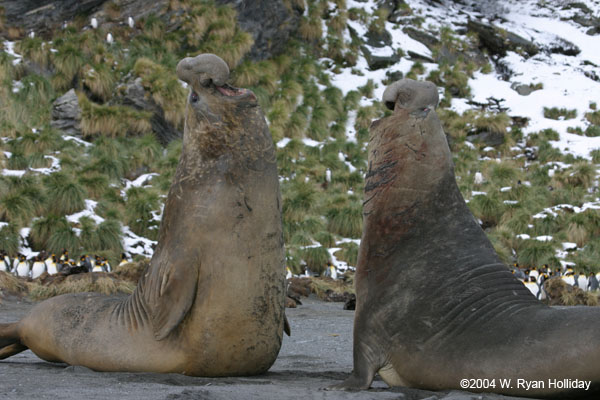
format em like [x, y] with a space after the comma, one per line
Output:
[43, 262]
[534, 278]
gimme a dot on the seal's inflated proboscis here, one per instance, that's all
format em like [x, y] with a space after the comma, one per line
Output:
[434, 303]
[212, 300]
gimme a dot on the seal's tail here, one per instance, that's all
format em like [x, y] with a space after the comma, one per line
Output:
[10, 343]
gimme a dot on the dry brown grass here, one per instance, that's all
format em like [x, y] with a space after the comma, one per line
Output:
[113, 121]
[90, 282]
[132, 271]
[324, 287]
[577, 234]
[11, 284]
[561, 293]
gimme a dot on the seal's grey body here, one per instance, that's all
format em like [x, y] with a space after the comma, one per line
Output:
[434, 304]
[212, 301]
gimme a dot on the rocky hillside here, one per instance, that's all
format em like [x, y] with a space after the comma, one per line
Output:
[91, 115]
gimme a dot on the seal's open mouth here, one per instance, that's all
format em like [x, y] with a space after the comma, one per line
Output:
[227, 90]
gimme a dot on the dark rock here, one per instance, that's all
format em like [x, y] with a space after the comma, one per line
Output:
[488, 137]
[592, 75]
[419, 57]
[498, 41]
[393, 76]
[66, 114]
[563, 46]
[446, 55]
[378, 39]
[350, 304]
[33, 68]
[519, 122]
[584, 20]
[132, 93]
[593, 31]
[378, 62]
[269, 22]
[43, 16]
[503, 70]
[428, 40]
[581, 6]
[522, 89]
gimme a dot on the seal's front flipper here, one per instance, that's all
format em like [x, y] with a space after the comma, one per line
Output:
[170, 294]
[286, 325]
[361, 377]
[354, 383]
[11, 350]
[10, 343]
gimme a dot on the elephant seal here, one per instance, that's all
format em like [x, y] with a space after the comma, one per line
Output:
[212, 300]
[434, 303]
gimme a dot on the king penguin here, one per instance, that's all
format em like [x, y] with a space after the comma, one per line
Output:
[4, 266]
[569, 278]
[22, 270]
[592, 282]
[51, 265]
[38, 267]
[532, 285]
[582, 282]
[124, 260]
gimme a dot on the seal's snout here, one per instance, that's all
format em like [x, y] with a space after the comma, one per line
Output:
[203, 70]
[417, 97]
[209, 71]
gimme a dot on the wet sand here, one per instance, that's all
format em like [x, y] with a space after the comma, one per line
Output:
[318, 354]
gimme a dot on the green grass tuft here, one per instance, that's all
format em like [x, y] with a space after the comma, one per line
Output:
[559, 113]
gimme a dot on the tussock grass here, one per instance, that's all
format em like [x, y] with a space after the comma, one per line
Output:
[316, 258]
[323, 287]
[11, 284]
[140, 205]
[67, 60]
[563, 294]
[66, 196]
[10, 239]
[164, 87]
[42, 228]
[310, 28]
[99, 79]
[577, 234]
[63, 237]
[488, 208]
[593, 117]
[581, 174]
[113, 121]
[535, 252]
[95, 184]
[504, 173]
[453, 78]
[346, 221]
[559, 113]
[132, 271]
[34, 49]
[16, 208]
[348, 253]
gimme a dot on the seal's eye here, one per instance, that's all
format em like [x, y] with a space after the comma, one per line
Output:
[194, 97]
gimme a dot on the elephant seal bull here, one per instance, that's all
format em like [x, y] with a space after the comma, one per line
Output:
[434, 303]
[212, 300]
